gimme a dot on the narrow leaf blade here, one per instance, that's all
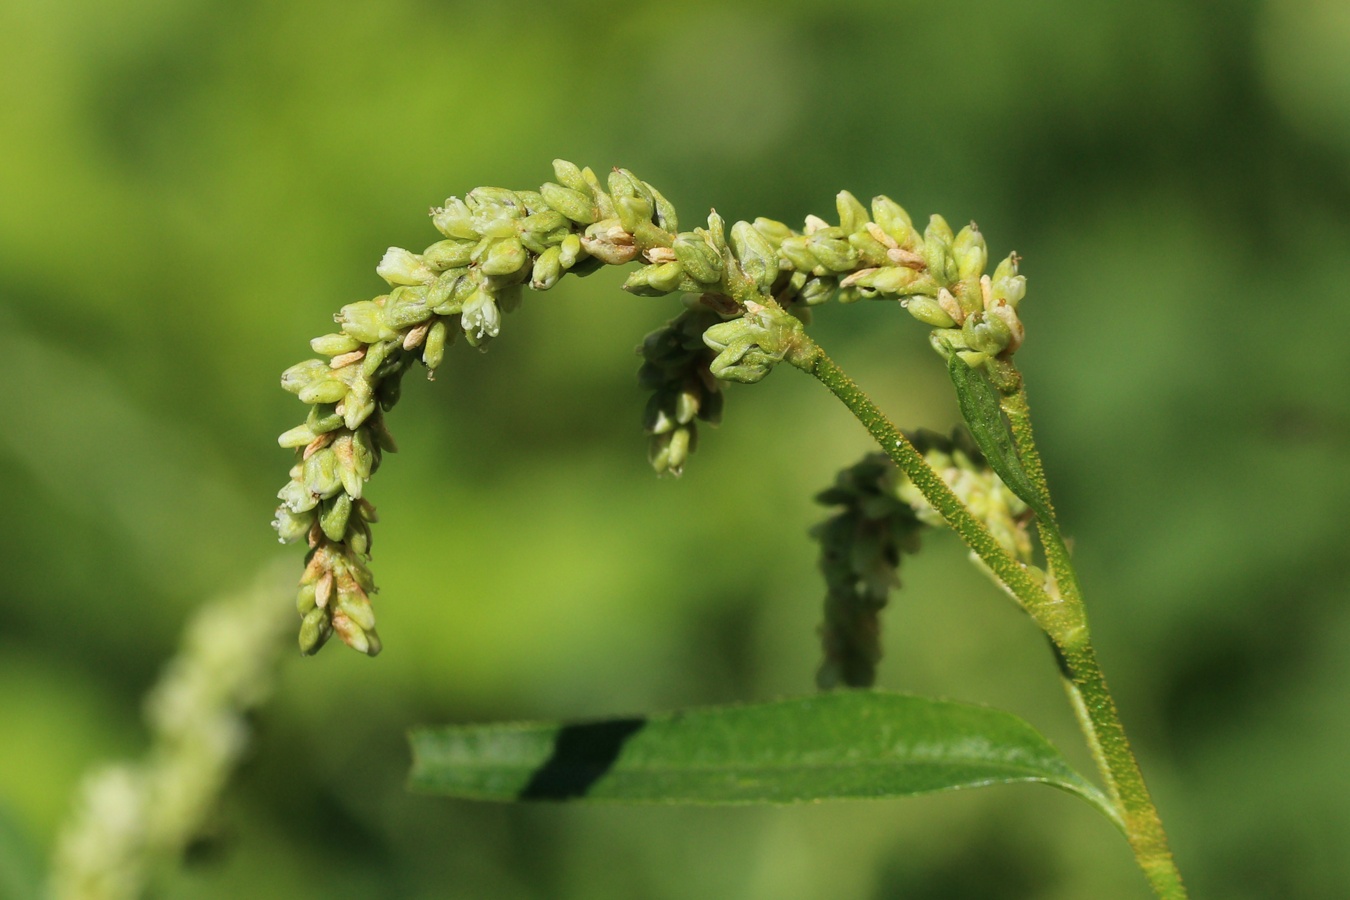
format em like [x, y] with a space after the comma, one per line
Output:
[980, 408]
[841, 745]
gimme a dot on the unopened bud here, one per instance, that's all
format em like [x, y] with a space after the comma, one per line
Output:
[504, 257]
[852, 214]
[758, 259]
[986, 333]
[929, 311]
[333, 515]
[699, 260]
[892, 219]
[970, 252]
[575, 205]
[450, 254]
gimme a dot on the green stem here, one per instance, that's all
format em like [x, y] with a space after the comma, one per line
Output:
[1059, 612]
[1050, 615]
[1085, 682]
[1100, 721]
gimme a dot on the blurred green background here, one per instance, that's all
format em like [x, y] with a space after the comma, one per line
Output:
[189, 189]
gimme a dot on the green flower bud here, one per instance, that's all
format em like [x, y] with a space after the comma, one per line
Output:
[871, 252]
[655, 280]
[665, 212]
[353, 635]
[603, 201]
[405, 310]
[1004, 311]
[352, 482]
[1007, 267]
[634, 212]
[569, 175]
[321, 474]
[1007, 284]
[504, 257]
[301, 375]
[929, 311]
[454, 220]
[852, 214]
[716, 231]
[832, 251]
[399, 266]
[575, 205]
[624, 184]
[890, 280]
[670, 451]
[334, 344]
[892, 218]
[774, 232]
[442, 291]
[794, 250]
[699, 260]
[356, 413]
[818, 290]
[298, 436]
[758, 259]
[314, 631]
[327, 390]
[570, 250]
[306, 599]
[749, 347]
[543, 230]
[495, 211]
[323, 418]
[547, 269]
[333, 515]
[970, 252]
[363, 321]
[937, 251]
[986, 333]
[451, 254]
[363, 453]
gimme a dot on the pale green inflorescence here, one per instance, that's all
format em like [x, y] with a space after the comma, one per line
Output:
[882, 517]
[747, 290]
[134, 818]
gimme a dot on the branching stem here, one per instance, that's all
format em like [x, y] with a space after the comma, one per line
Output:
[1057, 608]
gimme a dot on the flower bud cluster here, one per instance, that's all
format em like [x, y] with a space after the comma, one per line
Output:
[495, 242]
[750, 346]
[883, 517]
[860, 548]
[675, 368]
[878, 252]
[134, 817]
[961, 465]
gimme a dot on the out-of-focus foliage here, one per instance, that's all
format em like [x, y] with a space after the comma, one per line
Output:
[189, 190]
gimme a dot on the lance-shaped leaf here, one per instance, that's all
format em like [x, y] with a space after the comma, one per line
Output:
[980, 408]
[841, 745]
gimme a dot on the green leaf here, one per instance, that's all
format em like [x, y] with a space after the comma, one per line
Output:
[980, 408]
[846, 744]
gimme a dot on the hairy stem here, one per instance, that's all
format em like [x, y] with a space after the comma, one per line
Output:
[1086, 683]
[815, 362]
[1100, 721]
